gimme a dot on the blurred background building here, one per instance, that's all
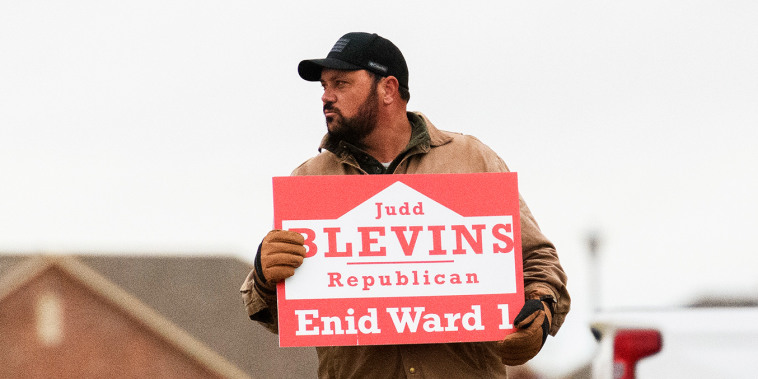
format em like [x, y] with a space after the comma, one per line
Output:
[121, 316]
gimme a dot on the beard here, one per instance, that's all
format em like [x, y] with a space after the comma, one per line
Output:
[354, 129]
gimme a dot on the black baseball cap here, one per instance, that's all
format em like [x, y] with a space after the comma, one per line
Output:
[359, 51]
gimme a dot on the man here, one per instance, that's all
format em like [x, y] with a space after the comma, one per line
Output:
[369, 131]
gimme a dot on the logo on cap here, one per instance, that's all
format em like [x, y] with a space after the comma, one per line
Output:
[340, 45]
[377, 66]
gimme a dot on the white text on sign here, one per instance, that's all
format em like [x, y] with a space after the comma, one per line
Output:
[404, 319]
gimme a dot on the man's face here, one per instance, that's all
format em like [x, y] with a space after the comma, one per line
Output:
[350, 104]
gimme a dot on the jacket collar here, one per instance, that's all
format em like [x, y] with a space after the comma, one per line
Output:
[436, 137]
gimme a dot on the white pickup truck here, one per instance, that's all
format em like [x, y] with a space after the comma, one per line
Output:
[677, 343]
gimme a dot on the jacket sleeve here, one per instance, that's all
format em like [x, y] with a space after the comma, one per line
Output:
[543, 274]
[259, 302]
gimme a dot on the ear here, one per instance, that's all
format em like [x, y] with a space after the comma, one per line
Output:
[390, 90]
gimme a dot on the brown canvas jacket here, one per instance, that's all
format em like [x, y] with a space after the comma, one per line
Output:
[442, 152]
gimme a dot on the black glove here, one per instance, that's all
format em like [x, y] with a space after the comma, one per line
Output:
[533, 324]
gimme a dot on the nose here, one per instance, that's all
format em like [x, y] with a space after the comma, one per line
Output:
[328, 96]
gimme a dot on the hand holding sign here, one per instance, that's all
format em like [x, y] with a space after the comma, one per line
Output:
[533, 325]
[282, 252]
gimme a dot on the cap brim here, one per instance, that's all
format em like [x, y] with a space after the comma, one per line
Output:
[310, 69]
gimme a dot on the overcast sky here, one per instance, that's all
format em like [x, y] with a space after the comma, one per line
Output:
[156, 126]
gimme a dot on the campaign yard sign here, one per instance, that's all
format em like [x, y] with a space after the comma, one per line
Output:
[400, 259]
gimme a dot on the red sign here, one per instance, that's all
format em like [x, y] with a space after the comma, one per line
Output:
[400, 259]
